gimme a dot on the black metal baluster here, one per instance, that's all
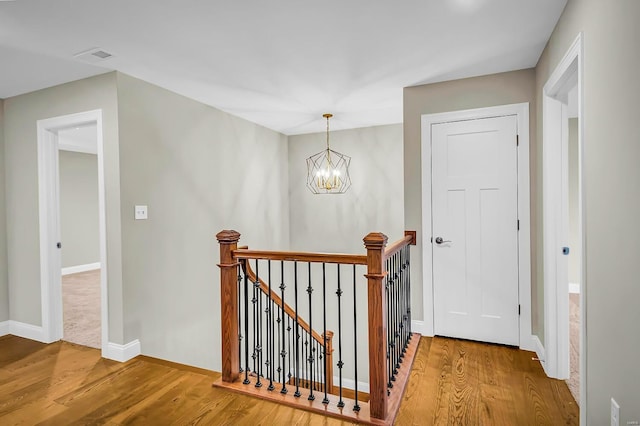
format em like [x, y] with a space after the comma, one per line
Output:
[356, 407]
[395, 315]
[246, 325]
[310, 291]
[409, 291]
[388, 299]
[316, 363]
[403, 312]
[396, 343]
[296, 330]
[240, 318]
[279, 346]
[257, 331]
[406, 297]
[283, 352]
[270, 338]
[289, 342]
[398, 313]
[305, 355]
[325, 400]
[340, 363]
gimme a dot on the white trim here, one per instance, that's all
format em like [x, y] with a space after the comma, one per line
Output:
[74, 145]
[569, 71]
[351, 384]
[539, 350]
[521, 111]
[28, 331]
[5, 328]
[48, 185]
[80, 268]
[76, 148]
[417, 326]
[121, 353]
[574, 288]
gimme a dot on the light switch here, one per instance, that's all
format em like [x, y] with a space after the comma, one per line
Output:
[141, 212]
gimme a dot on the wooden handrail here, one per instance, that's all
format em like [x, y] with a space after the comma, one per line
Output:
[287, 309]
[328, 345]
[298, 256]
[409, 239]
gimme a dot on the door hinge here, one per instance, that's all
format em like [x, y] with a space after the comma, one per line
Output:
[519, 310]
[517, 140]
[518, 225]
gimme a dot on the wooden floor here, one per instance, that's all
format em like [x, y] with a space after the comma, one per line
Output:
[453, 383]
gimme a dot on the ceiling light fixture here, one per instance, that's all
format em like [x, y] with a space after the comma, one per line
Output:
[328, 170]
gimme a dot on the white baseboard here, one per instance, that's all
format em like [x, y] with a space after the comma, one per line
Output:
[122, 353]
[4, 328]
[351, 384]
[417, 327]
[574, 288]
[540, 352]
[28, 331]
[80, 268]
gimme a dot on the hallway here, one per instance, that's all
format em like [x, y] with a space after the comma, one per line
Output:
[453, 382]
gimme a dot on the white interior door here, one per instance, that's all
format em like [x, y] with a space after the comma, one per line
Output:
[475, 229]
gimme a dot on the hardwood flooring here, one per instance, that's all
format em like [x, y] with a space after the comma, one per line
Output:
[453, 382]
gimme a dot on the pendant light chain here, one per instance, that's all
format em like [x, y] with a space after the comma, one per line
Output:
[328, 116]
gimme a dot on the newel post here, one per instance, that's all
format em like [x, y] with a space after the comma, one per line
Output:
[229, 305]
[375, 243]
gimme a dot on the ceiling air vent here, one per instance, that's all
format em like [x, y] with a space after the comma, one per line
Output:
[93, 55]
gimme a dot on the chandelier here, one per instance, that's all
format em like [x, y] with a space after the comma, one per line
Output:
[328, 170]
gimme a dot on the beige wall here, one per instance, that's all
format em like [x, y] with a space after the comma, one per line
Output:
[21, 115]
[611, 176]
[337, 223]
[477, 92]
[4, 287]
[79, 224]
[199, 170]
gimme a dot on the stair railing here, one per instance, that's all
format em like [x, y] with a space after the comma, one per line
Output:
[269, 350]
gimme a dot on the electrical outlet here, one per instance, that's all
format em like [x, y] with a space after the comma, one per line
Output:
[615, 413]
[141, 212]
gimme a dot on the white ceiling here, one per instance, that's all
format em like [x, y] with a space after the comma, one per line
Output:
[279, 63]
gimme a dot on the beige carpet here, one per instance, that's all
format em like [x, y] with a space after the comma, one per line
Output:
[81, 308]
[574, 346]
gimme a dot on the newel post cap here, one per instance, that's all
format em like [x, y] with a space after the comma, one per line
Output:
[375, 240]
[228, 236]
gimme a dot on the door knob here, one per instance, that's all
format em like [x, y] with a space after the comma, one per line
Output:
[439, 240]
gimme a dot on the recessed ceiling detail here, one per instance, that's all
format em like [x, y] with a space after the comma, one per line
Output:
[93, 55]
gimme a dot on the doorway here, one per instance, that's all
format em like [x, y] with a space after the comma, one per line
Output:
[80, 237]
[51, 137]
[516, 116]
[563, 220]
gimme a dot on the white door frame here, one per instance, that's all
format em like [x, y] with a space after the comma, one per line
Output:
[49, 210]
[521, 112]
[567, 74]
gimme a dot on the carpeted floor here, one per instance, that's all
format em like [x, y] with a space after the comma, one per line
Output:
[81, 308]
[574, 346]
